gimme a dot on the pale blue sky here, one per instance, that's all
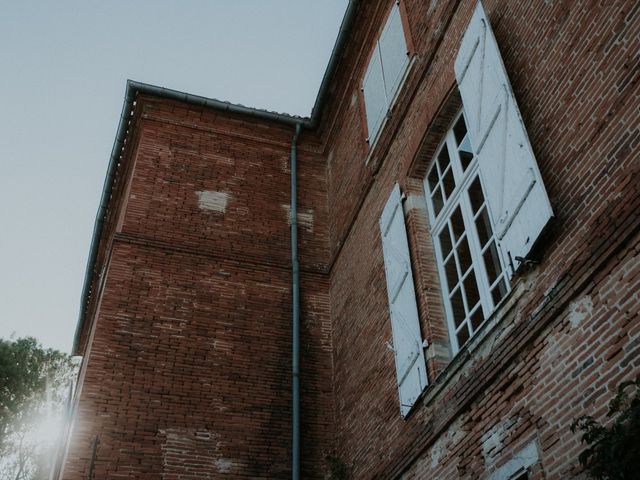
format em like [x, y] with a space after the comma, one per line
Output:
[63, 68]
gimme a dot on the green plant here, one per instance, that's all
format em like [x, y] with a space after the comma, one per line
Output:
[613, 452]
[33, 388]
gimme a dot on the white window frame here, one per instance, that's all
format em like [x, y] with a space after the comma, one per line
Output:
[389, 99]
[459, 197]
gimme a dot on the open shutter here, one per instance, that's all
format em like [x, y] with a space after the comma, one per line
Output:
[393, 51]
[407, 340]
[515, 193]
[375, 99]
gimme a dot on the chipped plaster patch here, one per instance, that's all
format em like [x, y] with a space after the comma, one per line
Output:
[305, 218]
[213, 201]
[446, 443]
[415, 202]
[520, 462]
[492, 441]
[579, 310]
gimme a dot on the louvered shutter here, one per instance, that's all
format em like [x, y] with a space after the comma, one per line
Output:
[515, 192]
[375, 100]
[407, 340]
[393, 51]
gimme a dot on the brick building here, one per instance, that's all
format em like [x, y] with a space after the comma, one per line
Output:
[467, 220]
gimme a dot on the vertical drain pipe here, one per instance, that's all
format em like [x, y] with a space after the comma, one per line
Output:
[295, 267]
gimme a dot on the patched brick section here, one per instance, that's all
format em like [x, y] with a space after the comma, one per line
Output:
[213, 201]
[305, 218]
[190, 454]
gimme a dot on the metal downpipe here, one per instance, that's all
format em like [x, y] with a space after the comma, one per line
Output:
[295, 293]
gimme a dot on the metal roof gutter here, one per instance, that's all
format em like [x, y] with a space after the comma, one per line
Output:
[135, 88]
[144, 88]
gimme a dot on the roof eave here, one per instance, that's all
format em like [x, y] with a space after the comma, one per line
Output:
[134, 89]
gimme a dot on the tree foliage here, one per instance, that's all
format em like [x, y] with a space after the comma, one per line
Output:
[613, 452]
[32, 389]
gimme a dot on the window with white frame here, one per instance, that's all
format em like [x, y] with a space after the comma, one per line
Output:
[487, 204]
[471, 270]
[486, 198]
[385, 72]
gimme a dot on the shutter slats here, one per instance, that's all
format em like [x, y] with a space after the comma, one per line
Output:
[374, 96]
[407, 340]
[385, 72]
[393, 51]
[515, 192]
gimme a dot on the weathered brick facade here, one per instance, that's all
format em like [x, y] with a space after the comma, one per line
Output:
[187, 341]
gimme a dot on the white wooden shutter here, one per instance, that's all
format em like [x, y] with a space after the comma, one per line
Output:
[407, 340]
[515, 192]
[375, 100]
[393, 51]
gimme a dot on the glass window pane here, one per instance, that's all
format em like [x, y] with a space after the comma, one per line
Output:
[451, 272]
[457, 223]
[433, 178]
[492, 263]
[458, 308]
[477, 318]
[445, 241]
[465, 146]
[484, 227]
[499, 291]
[471, 290]
[463, 336]
[437, 201]
[475, 195]
[464, 256]
[443, 158]
[465, 159]
[449, 183]
[460, 129]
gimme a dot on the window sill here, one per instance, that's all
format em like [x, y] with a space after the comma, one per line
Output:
[481, 344]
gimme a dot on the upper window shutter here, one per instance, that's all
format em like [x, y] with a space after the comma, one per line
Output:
[407, 340]
[393, 50]
[514, 189]
[375, 100]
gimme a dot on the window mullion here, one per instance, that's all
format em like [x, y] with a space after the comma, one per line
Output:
[476, 255]
[458, 173]
[444, 287]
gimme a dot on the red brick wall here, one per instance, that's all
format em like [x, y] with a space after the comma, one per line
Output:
[574, 70]
[191, 346]
[178, 161]
[188, 373]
